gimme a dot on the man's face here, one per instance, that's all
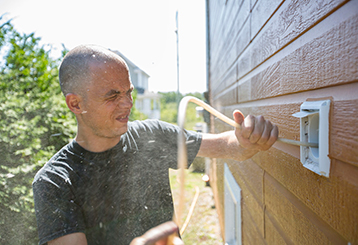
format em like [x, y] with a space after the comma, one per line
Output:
[108, 100]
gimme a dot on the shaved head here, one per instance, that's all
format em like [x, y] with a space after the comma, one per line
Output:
[76, 67]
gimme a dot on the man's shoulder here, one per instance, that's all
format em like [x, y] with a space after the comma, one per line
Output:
[57, 164]
[151, 124]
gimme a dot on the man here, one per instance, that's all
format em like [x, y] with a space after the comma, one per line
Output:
[110, 184]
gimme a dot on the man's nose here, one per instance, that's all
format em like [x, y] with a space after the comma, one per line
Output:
[126, 102]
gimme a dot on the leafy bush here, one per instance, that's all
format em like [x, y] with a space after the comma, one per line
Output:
[34, 123]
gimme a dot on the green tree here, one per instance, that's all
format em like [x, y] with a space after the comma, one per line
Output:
[169, 108]
[169, 97]
[135, 113]
[34, 124]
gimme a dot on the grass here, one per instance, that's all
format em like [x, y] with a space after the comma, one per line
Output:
[203, 227]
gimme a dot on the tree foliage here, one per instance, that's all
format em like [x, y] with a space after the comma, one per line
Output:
[135, 113]
[169, 108]
[34, 123]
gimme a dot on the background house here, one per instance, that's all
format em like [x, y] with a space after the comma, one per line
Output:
[268, 57]
[147, 102]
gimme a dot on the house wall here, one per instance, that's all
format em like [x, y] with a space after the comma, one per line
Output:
[266, 57]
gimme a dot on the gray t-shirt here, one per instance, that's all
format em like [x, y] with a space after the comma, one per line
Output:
[112, 196]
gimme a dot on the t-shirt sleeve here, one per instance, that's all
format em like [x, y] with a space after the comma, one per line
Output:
[193, 142]
[167, 139]
[57, 212]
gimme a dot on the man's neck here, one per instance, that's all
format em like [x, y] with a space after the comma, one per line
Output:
[96, 144]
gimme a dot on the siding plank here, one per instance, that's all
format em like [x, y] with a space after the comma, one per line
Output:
[251, 234]
[344, 131]
[261, 13]
[333, 199]
[333, 58]
[248, 173]
[294, 18]
[226, 60]
[273, 231]
[230, 78]
[229, 97]
[297, 221]
[217, 184]
[233, 43]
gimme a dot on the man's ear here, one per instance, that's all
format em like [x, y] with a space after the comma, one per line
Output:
[73, 103]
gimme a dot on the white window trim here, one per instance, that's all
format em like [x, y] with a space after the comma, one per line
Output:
[232, 196]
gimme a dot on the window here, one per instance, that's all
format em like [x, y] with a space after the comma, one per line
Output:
[232, 193]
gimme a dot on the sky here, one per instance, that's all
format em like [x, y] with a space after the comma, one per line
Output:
[142, 30]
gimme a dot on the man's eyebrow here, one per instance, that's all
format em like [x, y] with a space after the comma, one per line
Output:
[113, 92]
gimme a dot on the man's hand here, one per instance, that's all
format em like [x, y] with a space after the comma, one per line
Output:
[256, 133]
[159, 235]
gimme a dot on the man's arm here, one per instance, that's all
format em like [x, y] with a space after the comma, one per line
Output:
[256, 134]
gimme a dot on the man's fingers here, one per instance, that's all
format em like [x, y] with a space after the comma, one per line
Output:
[259, 128]
[248, 126]
[255, 132]
[266, 133]
[273, 135]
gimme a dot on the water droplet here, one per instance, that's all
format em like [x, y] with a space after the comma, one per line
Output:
[9, 175]
[145, 207]
[93, 55]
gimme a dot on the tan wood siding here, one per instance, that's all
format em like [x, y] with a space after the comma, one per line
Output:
[251, 234]
[274, 232]
[296, 220]
[267, 58]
